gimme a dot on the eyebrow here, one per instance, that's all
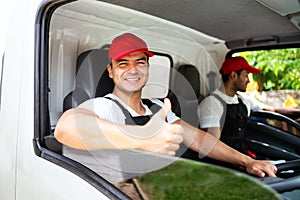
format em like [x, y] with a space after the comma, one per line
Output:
[139, 59]
[143, 58]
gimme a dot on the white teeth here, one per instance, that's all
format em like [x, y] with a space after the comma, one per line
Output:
[132, 79]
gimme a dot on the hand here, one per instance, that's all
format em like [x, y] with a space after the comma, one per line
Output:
[261, 168]
[159, 136]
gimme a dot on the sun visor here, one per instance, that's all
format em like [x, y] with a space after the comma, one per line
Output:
[283, 8]
[268, 40]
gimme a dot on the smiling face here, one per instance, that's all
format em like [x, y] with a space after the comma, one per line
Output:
[130, 73]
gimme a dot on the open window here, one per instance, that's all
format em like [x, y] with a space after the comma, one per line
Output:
[275, 136]
[72, 40]
[57, 47]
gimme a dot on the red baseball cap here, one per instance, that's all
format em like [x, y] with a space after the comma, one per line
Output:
[237, 63]
[125, 44]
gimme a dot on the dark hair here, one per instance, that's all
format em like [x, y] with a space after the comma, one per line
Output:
[225, 77]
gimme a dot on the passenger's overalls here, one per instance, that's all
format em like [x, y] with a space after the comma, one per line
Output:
[233, 121]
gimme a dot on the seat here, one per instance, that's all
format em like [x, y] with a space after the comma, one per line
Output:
[91, 76]
[185, 93]
[185, 98]
[91, 81]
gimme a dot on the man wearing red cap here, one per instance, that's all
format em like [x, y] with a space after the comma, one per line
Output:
[104, 123]
[225, 111]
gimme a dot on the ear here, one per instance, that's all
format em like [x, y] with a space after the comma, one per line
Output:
[108, 67]
[233, 75]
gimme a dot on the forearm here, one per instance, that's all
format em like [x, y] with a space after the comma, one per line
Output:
[209, 145]
[212, 147]
[285, 111]
[222, 152]
[82, 129]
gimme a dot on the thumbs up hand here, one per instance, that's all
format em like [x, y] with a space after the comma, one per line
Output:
[160, 136]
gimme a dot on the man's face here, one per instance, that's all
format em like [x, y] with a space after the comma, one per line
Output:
[242, 81]
[130, 73]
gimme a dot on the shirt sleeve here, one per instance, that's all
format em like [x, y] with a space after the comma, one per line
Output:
[210, 112]
[253, 104]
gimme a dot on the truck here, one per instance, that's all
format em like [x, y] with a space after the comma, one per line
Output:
[40, 68]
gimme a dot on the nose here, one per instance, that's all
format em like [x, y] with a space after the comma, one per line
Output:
[247, 79]
[131, 67]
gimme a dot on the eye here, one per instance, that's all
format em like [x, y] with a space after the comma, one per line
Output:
[122, 64]
[142, 63]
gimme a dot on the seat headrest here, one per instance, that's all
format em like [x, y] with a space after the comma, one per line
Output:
[92, 76]
[191, 75]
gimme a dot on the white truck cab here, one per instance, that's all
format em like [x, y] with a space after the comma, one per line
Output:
[39, 70]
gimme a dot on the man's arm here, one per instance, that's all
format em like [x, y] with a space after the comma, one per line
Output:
[208, 145]
[82, 129]
[293, 113]
[290, 112]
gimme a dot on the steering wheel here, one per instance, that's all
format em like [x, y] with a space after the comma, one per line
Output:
[273, 115]
[288, 184]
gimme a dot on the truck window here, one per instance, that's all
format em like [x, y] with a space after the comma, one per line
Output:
[278, 84]
[58, 43]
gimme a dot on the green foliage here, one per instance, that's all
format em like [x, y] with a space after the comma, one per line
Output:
[280, 68]
[186, 179]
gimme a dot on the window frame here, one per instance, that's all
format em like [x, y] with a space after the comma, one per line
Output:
[41, 109]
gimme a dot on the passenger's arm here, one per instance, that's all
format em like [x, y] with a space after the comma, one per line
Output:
[283, 110]
[208, 145]
[82, 129]
[289, 112]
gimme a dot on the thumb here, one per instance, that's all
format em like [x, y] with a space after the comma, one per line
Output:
[261, 174]
[166, 107]
[160, 116]
[164, 111]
